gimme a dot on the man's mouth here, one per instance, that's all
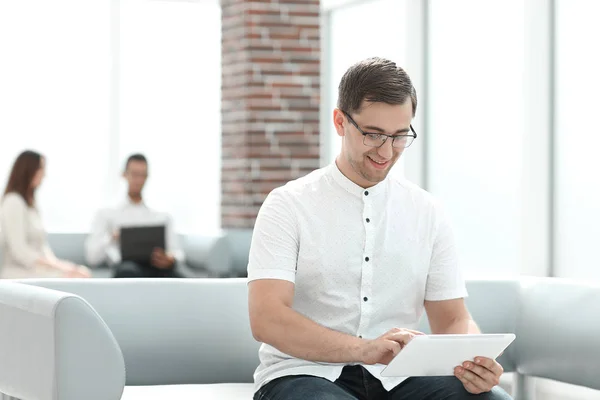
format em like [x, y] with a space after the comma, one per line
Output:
[378, 164]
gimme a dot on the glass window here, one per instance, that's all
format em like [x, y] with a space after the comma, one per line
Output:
[54, 98]
[170, 60]
[476, 127]
[577, 140]
[359, 31]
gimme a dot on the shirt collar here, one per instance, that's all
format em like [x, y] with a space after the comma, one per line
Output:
[129, 203]
[352, 187]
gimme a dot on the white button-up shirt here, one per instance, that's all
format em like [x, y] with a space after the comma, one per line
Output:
[363, 261]
[101, 248]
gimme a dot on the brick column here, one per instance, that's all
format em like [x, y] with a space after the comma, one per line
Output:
[270, 100]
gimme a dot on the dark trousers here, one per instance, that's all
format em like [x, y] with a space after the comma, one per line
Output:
[356, 383]
[130, 269]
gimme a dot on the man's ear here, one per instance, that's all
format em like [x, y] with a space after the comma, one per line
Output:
[338, 121]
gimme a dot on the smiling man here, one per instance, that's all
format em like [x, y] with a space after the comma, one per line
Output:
[344, 261]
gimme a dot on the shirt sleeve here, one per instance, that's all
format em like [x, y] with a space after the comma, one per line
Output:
[444, 280]
[98, 241]
[47, 251]
[172, 241]
[275, 241]
[14, 221]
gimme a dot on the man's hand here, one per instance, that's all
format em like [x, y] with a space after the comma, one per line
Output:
[116, 236]
[162, 260]
[383, 349]
[479, 376]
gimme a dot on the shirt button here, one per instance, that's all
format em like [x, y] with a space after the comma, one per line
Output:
[365, 298]
[367, 259]
[366, 192]
[368, 220]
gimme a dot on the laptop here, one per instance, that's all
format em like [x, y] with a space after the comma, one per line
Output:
[138, 242]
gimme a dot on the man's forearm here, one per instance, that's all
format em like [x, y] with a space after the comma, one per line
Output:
[294, 334]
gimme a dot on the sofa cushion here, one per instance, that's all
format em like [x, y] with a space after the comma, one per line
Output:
[223, 391]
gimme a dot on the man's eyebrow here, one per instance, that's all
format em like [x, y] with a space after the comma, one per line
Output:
[378, 129]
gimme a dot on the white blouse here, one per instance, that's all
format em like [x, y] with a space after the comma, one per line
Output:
[23, 239]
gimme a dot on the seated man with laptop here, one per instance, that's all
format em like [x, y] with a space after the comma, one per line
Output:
[134, 240]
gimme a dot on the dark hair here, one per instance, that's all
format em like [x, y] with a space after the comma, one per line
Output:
[375, 80]
[23, 170]
[135, 157]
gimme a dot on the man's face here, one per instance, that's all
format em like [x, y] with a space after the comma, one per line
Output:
[136, 175]
[371, 165]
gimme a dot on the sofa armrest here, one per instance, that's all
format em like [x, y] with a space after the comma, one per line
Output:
[54, 346]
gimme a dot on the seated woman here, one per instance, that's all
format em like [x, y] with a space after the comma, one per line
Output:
[25, 249]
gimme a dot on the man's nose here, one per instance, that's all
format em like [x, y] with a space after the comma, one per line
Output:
[386, 150]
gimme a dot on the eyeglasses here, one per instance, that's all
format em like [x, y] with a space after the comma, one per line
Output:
[379, 139]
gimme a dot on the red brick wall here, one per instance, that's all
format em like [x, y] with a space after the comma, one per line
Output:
[270, 100]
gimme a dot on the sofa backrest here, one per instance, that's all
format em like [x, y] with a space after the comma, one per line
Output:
[174, 331]
[239, 241]
[210, 252]
[223, 254]
[69, 246]
[559, 331]
[197, 330]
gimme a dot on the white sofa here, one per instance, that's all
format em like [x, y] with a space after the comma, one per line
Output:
[190, 338]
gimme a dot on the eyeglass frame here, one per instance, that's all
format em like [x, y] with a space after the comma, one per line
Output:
[353, 122]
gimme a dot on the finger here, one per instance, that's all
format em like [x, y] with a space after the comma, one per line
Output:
[393, 347]
[415, 332]
[487, 375]
[395, 330]
[475, 379]
[401, 337]
[490, 364]
[469, 387]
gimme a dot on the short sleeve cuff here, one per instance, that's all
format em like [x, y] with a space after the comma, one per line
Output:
[257, 274]
[447, 295]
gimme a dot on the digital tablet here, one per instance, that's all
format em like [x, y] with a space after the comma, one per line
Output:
[438, 355]
[138, 242]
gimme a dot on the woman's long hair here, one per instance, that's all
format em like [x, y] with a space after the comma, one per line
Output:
[24, 169]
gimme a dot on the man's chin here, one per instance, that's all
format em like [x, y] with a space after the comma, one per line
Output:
[375, 178]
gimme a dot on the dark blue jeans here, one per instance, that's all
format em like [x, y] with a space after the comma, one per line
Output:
[356, 383]
[130, 269]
